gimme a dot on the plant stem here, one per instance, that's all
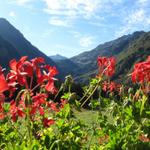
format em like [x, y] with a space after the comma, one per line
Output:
[29, 127]
[35, 87]
[91, 139]
[31, 81]
[90, 95]
[60, 89]
[85, 94]
[51, 148]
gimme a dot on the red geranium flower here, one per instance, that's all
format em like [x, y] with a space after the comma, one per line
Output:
[2, 97]
[47, 122]
[141, 72]
[17, 71]
[63, 102]
[16, 110]
[53, 106]
[106, 66]
[109, 86]
[37, 102]
[3, 83]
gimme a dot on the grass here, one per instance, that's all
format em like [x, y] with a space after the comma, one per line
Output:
[87, 116]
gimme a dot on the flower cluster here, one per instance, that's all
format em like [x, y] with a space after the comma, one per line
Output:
[141, 72]
[35, 81]
[106, 66]
[110, 86]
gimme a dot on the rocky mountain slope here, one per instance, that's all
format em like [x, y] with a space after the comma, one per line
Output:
[127, 49]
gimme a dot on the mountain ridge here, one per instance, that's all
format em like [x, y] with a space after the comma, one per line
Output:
[86, 62]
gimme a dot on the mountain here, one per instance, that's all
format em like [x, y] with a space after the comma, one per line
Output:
[57, 57]
[138, 51]
[67, 65]
[16, 45]
[127, 49]
[5, 50]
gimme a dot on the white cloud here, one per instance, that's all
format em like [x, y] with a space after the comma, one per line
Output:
[71, 10]
[137, 20]
[136, 17]
[21, 2]
[12, 14]
[79, 9]
[56, 21]
[143, 2]
[76, 34]
[86, 41]
[85, 8]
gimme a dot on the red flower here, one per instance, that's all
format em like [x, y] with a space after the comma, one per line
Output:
[52, 71]
[105, 86]
[37, 101]
[50, 87]
[141, 72]
[106, 66]
[2, 97]
[2, 116]
[40, 98]
[17, 71]
[63, 102]
[41, 110]
[3, 83]
[16, 110]
[36, 63]
[110, 86]
[53, 106]
[22, 73]
[28, 68]
[47, 122]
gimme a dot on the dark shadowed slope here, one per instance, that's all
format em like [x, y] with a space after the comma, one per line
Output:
[7, 52]
[19, 42]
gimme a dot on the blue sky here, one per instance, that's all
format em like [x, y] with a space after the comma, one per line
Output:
[69, 27]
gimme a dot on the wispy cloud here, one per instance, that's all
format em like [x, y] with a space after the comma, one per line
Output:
[86, 41]
[12, 14]
[84, 8]
[21, 2]
[71, 10]
[56, 21]
[137, 20]
[143, 2]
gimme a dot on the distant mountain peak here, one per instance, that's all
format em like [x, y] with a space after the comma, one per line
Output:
[58, 57]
